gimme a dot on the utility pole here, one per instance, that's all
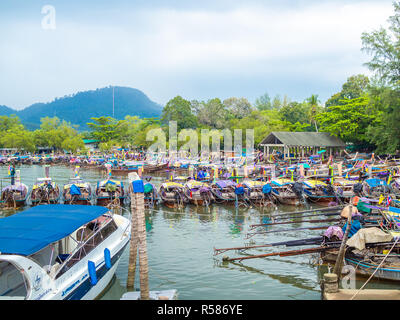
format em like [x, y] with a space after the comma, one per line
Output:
[113, 101]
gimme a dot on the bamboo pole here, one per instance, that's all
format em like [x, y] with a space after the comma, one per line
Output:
[252, 226]
[282, 243]
[339, 259]
[309, 211]
[251, 234]
[281, 254]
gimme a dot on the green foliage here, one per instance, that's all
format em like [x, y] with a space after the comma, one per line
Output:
[384, 132]
[18, 138]
[213, 114]
[52, 133]
[354, 87]
[238, 107]
[103, 128]
[263, 102]
[57, 134]
[349, 120]
[384, 45]
[179, 110]
[263, 123]
[295, 112]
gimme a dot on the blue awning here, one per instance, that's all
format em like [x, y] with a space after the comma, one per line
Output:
[29, 231]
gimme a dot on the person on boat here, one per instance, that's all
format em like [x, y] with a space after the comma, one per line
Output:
[12, 173]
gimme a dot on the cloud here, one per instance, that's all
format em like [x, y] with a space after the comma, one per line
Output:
[241, 50]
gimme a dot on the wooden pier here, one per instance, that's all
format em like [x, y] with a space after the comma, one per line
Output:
[331, 291]
[366, 294]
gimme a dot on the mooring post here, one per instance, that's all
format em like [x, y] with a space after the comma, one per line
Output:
[330, 283]
[138, 207]
[134, 239]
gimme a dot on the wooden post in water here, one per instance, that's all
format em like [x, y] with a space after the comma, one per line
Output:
[338, 265]
[133, 242]
[137, 206]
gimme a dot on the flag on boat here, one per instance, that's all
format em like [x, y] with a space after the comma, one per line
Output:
[381, 198]
[388, 201]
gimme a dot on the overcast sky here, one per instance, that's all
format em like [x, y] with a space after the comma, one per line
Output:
[196, 49]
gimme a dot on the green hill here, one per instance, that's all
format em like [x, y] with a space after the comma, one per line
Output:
[80, 107]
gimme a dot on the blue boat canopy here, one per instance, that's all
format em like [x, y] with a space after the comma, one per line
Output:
[29, 231]
[374, 182]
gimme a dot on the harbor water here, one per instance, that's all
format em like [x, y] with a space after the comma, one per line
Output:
[181, 245]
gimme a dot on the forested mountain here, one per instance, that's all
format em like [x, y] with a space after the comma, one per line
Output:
[80, 107]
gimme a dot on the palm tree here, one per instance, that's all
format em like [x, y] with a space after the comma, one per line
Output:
[313, 101]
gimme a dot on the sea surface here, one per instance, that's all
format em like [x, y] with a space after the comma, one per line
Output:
[181, 244]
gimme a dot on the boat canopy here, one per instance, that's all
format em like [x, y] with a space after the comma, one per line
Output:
[314, 183]
[374, 182]
[29, 231]
[171, 184]
[225, 183]
[109, 181]
[254, 184]
[16, 187]
[281, 182]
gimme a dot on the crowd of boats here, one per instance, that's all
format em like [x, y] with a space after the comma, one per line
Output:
[360, 225]
[202, 184]
[76, 242]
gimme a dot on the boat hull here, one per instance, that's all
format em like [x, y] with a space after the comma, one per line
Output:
[123, 172]
[107, 200]
[293, 201]
[16, 204]
[37, 202]
[78, 201]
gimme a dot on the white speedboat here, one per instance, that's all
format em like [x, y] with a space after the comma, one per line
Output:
[60, 252]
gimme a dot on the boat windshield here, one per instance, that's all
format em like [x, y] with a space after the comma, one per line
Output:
[75, 247]
[12, 282]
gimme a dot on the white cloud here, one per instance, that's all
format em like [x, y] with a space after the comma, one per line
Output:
[165, 52]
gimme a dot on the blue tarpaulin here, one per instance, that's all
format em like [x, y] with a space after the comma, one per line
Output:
[375, 182]
[355, 226]
[74, 190]
[29, 231]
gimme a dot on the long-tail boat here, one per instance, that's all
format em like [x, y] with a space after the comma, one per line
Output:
[172, 194]
[223, 191]
[45, 191]
[77, 191]
[319, 192]
[198, 193]
[285, 192]
[124, 168]
[375, 187]
[344, 188]
[254, 193]
[108, 191]
[14, 195]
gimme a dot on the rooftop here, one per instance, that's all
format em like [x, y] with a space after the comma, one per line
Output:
[303, 139]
